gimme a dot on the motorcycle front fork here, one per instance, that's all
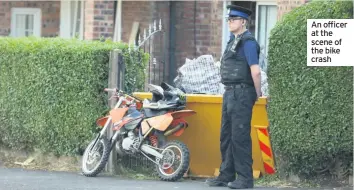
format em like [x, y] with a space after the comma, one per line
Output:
[102, 133]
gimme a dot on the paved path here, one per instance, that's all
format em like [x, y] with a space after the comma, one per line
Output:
[20, 179]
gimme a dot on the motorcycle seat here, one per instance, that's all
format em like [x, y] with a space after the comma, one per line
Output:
[159, 105]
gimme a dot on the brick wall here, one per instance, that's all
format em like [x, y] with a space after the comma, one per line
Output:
[99, 19]
[50, 16]
[285, 6]
[196, 32]
[146, 12]
[198, 29]
[133, 11]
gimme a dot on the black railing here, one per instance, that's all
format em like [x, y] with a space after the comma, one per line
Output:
[153, 42]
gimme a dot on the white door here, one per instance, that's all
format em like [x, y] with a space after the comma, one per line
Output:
[25, 22]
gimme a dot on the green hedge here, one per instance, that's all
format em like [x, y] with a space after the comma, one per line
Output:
[51, 90]
[311, 108]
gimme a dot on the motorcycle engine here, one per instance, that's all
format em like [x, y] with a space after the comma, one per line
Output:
[130, 143]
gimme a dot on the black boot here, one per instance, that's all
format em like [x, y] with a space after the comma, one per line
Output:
[241, 184]
[217, 182]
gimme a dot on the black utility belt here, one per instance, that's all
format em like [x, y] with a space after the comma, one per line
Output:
[234, 86]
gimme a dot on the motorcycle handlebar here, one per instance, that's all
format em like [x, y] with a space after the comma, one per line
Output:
[115, 90]
[110, 89]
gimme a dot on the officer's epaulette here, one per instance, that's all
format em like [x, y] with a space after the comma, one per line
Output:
[250, 37]
[247, 37]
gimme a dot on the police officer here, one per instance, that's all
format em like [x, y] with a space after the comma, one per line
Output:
[240, 73]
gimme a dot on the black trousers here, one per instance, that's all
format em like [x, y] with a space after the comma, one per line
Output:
[235, 137]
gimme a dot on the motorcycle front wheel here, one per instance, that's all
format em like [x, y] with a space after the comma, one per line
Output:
[93, 161]
[175, 161]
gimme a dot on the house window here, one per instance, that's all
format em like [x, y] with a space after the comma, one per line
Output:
[71, 19]
[25, 22]
[266, 18]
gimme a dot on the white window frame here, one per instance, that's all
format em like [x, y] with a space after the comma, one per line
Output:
[37, 19]
[258, 3]
[65, 19]
[225, 31]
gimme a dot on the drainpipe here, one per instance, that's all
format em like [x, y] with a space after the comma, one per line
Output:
[118, 20]
[172, 42]
[225, 32]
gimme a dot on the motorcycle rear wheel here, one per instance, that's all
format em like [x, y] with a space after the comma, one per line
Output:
[165, 174]
[103, 160]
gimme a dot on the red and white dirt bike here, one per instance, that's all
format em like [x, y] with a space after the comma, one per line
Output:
[142, 127]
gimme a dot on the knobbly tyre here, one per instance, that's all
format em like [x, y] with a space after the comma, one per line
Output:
[141, 127]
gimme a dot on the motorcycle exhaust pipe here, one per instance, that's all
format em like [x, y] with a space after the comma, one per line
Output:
[171, 131]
